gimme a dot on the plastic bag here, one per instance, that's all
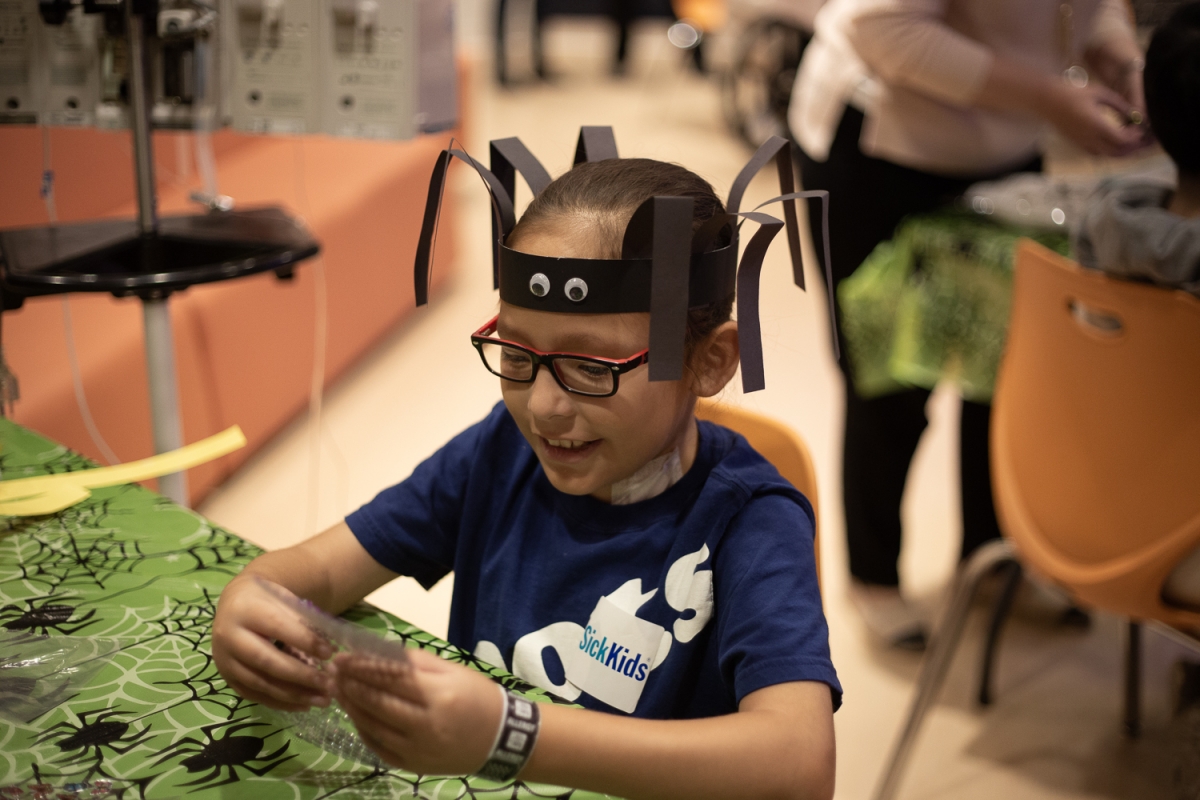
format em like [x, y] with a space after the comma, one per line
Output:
[331, 728]
[932, 304]
[38, 673]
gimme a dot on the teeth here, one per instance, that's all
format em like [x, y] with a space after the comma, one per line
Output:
[566, 444]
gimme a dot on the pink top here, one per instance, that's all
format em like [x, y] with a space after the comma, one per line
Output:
[915, 68]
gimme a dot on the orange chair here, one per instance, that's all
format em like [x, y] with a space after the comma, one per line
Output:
[775, 442]
[1095, 446]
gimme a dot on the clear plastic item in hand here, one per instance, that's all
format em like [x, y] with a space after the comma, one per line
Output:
[331, 728]
[342, 635]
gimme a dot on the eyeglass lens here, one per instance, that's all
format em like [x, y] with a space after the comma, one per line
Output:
[582, 376]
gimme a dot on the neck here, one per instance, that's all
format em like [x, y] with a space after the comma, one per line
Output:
[685, 438]
[1185, 202]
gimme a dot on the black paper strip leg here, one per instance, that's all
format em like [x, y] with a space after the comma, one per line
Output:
[596, 143]
[749, 327]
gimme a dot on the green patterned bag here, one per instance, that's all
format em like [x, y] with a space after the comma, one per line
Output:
[932, 304]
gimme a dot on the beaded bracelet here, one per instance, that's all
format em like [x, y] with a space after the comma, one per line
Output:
[514, 742]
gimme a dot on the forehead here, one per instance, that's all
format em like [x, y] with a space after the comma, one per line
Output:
[610, 335]
[569, 236]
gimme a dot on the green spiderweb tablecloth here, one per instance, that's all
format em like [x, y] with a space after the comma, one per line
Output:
[131, 571]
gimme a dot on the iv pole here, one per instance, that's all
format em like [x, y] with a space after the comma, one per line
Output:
[156, 316]
[149, 257]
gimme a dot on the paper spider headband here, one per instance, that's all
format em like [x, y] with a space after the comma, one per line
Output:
[664, 268]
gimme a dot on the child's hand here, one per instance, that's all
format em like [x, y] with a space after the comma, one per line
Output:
[249, 622]
[431, 717]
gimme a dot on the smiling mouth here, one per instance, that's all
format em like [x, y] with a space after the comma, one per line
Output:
[568, 449]
[566, 444]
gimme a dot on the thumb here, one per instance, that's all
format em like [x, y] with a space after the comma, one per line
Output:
[428, 662]
[1108, 97]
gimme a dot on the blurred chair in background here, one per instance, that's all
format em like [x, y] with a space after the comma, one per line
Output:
[756, 87]
[1095, 462]
[777, 443]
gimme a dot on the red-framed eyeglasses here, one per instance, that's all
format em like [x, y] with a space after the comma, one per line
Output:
[576, 373]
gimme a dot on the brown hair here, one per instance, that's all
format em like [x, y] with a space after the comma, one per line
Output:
[601, 196]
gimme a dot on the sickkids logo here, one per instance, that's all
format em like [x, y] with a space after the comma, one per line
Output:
[613, 655]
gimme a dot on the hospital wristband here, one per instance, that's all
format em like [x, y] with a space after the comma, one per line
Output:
[519, 724]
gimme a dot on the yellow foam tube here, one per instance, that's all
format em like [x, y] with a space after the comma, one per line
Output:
[48, 494]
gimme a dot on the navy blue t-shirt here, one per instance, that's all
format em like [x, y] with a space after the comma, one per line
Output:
[723, 561]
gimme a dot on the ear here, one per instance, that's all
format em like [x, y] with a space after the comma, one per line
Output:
[714, 361]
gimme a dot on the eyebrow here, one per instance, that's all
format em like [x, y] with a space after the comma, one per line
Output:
[578, 342]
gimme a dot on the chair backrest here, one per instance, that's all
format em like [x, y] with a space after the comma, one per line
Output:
[1096, 433]
[775, 442]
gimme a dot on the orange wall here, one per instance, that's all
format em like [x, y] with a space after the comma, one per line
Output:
[244, 347]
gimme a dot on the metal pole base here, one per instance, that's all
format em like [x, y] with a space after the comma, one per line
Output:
[164, 392]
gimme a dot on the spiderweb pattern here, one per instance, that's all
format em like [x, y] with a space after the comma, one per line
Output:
[131, 571]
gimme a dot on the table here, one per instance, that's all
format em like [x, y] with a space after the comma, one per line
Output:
[129, 571]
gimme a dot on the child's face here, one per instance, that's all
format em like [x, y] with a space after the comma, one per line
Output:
[586, 444]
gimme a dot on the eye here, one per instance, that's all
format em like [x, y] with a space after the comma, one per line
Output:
[510, 356]
[594, 371]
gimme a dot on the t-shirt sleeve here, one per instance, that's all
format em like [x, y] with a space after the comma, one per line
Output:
[412, 528]
[771, 627]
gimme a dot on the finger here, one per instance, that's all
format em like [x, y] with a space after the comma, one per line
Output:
[386, 677]
[275, 619]
[283, 625]
[390, 744]
[383, 708]
[1123, 141]
[267, 685]
[265, 700]
[428, 662]
[1113, 100]
[389, 756]
[262, 656]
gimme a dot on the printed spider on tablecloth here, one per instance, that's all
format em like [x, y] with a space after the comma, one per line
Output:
[228, 752]
[43, 617]
[101, 731]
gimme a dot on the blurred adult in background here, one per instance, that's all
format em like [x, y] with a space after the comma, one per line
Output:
[899, 105]
[1148, 229]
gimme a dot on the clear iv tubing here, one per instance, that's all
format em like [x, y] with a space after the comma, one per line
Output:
[316, 396]
[85, 410]
[203, 114]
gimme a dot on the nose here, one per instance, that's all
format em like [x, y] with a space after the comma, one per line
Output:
[547, 399]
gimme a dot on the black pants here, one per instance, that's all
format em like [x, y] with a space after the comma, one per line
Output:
[868, 198]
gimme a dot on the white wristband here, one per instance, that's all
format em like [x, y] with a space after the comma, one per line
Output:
[520, 721]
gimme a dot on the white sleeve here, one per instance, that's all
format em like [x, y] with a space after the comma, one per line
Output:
[907, 43]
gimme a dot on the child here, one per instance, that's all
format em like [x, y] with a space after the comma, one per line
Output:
[1137, 228]
[606, 546]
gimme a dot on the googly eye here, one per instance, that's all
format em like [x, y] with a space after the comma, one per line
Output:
[539, 285]
[575, 289]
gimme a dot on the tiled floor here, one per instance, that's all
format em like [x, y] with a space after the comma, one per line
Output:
[1054, 731]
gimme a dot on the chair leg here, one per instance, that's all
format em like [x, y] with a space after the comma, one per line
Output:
[939, 655]
[1000, 610]
[1133, 680]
